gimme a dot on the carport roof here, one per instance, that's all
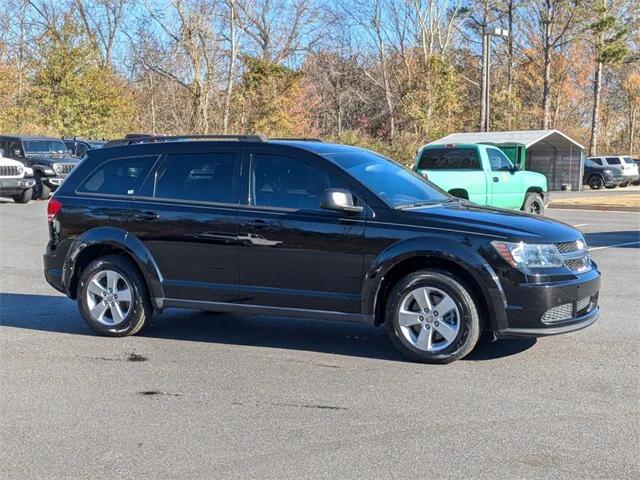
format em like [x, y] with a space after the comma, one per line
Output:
[524, 137]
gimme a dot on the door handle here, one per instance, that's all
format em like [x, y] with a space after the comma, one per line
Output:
[146, 216]
[496, 179]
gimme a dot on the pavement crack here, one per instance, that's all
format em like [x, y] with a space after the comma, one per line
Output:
[151, 393]
[291, 405]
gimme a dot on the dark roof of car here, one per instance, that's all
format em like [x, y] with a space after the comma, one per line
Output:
[30, 137]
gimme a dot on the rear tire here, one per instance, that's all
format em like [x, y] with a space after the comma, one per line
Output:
[407, 323]
[623, 185]
[596, 182]
[108, 312]
[23, 197]
[533, 203]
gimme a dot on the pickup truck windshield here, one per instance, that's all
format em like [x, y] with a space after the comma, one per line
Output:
[44, 146]
[396, 185]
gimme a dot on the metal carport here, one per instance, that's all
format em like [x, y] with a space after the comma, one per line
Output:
[549, 152]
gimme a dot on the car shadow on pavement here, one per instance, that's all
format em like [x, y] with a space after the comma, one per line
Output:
[50, 313]
[605, 239]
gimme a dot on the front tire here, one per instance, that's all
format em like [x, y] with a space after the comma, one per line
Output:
[432, 318]
[533, 203]
[24, 196]
[113, 297]
[41, 190]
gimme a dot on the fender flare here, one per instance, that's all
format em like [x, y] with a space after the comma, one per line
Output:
[118, 238]
[37, 167]
[441, 249]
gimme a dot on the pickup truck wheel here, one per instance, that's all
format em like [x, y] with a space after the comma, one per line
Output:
[596, 182]
[41, 190]
[432, 318]
[24, 196]
[113, 298]
[533, 203]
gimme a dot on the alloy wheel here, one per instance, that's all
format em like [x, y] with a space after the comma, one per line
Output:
[429, 319]
[109, 297]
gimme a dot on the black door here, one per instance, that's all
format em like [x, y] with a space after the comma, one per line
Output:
[292, 253]
[187, 220]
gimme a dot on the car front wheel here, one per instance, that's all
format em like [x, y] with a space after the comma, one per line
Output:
[596, 182]
[41, 190]
[533, 203]
[113, 297]
[432, 318]
[24, 196]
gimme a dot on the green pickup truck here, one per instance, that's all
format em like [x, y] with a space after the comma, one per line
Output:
[483, 174]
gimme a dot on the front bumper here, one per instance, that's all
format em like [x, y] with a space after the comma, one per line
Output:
[14, 186]
[542, 309]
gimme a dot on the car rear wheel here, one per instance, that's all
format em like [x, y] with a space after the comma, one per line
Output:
[623, 185]
[41, 190]
[432, 318]
[24, 196]
[596, 182]
[533, 203]
[113, 297]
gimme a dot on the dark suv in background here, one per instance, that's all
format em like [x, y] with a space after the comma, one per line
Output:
[311, 230]
[78, 147]
[48, 157]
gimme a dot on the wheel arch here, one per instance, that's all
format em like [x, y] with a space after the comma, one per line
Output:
[103, 241]
[463, 263]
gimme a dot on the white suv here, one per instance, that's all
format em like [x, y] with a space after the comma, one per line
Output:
[623, 167]
[16, 180]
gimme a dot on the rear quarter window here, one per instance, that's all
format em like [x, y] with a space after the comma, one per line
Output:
[120, 176]
[613, 161]
[449, 159]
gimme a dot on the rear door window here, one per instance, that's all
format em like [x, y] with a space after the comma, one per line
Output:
[202, 177]
[449, 159]
[120, 176]
[613, 161]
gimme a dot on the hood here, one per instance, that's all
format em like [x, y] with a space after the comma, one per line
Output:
[509, 225]
[44, 159]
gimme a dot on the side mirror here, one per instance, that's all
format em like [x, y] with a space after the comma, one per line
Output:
[18, 153]
[339, 200]
[514, 169]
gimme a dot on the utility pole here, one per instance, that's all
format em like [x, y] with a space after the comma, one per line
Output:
[486, 77]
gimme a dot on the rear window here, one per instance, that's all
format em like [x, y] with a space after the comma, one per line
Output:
[449, 159]
[628, 160]
[613, 161]
[120, 176]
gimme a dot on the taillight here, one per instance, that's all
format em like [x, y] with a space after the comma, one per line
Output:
[53, 207]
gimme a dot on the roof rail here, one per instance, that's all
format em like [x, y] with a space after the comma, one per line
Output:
[299, 139]
[133, 138]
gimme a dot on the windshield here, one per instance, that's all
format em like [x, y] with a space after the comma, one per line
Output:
[44, 146]
[396, 185]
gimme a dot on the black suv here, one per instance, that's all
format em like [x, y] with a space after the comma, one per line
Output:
[79, 146]
[311, 230]
[49, 158]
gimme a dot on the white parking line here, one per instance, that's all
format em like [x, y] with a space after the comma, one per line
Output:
[616, 245]
[581, 225]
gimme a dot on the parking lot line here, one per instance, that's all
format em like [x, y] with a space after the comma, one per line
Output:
[581, 225]
[615, 245]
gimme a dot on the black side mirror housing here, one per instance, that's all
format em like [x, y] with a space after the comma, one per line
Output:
[341, 200]
[514, 169]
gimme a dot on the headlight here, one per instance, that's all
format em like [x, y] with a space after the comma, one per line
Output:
[20, 169]
[527, 256]
[57, 168]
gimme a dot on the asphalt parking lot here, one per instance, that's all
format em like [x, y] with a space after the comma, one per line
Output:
[221, 396]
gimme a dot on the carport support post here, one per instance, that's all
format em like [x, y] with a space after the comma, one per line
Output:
[484, 83]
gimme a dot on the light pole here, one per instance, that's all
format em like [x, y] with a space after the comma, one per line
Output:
[486, 64]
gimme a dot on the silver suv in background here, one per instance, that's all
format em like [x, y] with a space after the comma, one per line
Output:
[623, 167]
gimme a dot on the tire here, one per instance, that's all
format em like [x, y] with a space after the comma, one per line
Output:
[533, 203]
[623, 185]
[41, 191]
[135, 313]
[596, 182]
[23, 197]
[407, 338]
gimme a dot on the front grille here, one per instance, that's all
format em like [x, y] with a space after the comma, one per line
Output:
[566, 247]
[569, 311]
[577, 264]
[558, 314]
[9, 171]
[64, 168]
